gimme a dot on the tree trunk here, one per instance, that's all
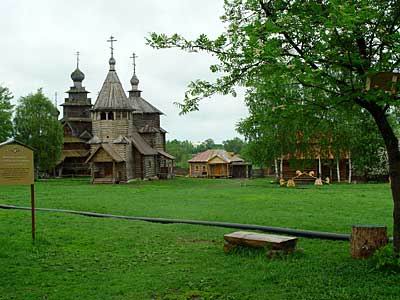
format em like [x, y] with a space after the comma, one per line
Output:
[350, 167]
[338, 169]
[319, 168]
[365, 240]
[281, 168]
[392, 147]
[276, 168]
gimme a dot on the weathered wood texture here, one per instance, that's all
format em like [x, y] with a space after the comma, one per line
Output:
[365, 240]
[271, 242]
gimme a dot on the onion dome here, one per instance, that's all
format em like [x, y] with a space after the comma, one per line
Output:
[112, 63]
[77, 75]
[134, 80]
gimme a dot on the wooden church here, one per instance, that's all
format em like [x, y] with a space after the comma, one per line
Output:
[126, 139]
[77, 125]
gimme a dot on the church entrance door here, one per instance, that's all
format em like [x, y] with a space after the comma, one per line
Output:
[108, 170]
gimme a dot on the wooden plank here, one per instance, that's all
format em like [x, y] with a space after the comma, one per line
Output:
[261, 240]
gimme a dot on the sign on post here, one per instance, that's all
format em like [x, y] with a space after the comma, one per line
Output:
[16, 168]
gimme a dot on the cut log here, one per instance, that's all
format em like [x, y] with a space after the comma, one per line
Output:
[366, 239]
[271, 242]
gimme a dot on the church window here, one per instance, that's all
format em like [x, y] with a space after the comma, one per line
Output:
[111, 116]
[197, 168]
[103, 116]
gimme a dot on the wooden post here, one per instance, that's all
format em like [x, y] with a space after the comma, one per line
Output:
[33, 211]
[366, 239]
[113, 179]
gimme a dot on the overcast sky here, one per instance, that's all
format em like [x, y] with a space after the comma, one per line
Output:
[39, 39]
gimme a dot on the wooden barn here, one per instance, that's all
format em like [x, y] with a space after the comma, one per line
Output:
[218, 164]
[128, 142]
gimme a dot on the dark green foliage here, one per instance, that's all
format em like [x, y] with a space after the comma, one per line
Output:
[234, 145]
[182, 150]
[5, 114]
[36, 125]
[383, 259]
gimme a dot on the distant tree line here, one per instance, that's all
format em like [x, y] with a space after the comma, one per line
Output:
[34, 122]
[185, 150]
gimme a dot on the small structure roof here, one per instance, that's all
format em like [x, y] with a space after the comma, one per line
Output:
[72, 153]
[207, 155]
[165, 154]
[141, 145]
[14, 141]
[110, 151]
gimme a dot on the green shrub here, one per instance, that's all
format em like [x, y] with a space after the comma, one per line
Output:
[384, 259]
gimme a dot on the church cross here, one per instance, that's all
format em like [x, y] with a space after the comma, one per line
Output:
[134, 56]
[77, 58]
[111, 41]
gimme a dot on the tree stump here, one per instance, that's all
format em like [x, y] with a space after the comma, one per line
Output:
[366, 239]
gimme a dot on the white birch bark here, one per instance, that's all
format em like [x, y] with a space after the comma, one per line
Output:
[350, 167]
[319, 168]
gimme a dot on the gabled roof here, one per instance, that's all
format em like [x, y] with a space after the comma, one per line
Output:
[112, 95]
[141, 145]
[165, 154]
[121, 140]
[207, 155]
[110, 151]
[85, 135]
[142, 106]
[94, 140]
[14, 141]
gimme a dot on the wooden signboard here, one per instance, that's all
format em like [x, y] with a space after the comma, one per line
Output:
[16, 168]
[16, 164]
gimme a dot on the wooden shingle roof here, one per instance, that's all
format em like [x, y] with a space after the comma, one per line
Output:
[207, 155]
[142, 106]
[110, 151]
[141, 145]
[112, 95]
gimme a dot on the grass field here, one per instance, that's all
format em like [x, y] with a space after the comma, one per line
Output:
[77, 257]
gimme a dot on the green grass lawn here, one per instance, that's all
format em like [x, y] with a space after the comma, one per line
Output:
[78, 257]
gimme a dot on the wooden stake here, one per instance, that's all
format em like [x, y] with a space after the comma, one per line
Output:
[33, 211]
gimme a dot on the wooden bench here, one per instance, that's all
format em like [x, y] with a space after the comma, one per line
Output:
[273, 243]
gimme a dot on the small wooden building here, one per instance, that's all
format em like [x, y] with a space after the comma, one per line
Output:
[218, 164]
